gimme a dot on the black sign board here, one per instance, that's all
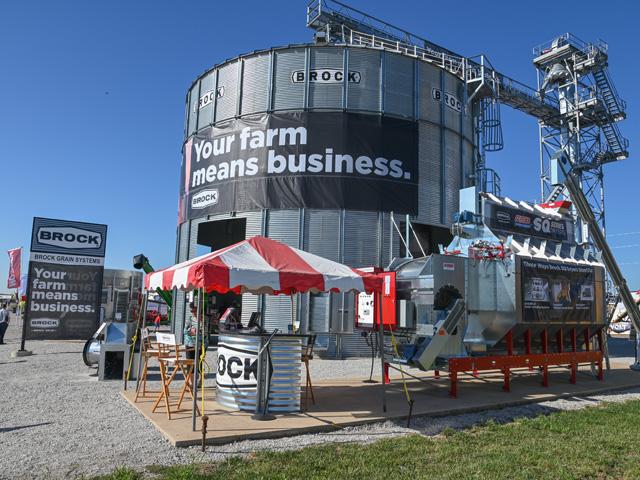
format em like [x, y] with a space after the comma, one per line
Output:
[559, 292]
[515, 220]
[327, 160]
[65, 279]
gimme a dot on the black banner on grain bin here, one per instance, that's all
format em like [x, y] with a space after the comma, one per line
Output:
[65, 279]
[326, 160]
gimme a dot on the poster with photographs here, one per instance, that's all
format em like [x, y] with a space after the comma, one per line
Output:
[557, 292]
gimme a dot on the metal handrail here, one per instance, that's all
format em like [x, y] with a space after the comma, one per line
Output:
[570, 39]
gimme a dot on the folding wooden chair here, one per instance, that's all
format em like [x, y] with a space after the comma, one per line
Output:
[149, 350]
[307, 355]
[171, 356]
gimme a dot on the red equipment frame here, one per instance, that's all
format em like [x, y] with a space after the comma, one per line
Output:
[542, 360]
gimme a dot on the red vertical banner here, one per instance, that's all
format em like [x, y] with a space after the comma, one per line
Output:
[15, 257]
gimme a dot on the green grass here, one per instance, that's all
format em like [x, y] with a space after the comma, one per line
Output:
[601, 443]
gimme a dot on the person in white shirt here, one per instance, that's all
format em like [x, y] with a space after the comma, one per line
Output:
[4, 322]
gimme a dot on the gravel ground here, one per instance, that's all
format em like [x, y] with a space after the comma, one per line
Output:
[58, 421]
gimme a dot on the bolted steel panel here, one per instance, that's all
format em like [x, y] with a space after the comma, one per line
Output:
[399, 79]
[429, 198]
[365, 94]
[226, 104]
[283, 226]
[204, 112]
[361, 238]
[255, 84]
[323, 94]
[322, 233]
[452, 174]
[467, 163]
[429, 85]
[193, 108]
[287, 94]
[453, 108]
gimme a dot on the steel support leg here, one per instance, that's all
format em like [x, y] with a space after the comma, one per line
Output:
[453, 380]
[527, 344]
[574, 366]
[560, 340]
[545, 368]
[601, 347]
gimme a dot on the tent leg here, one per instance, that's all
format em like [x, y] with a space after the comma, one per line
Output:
[381, 346]
[195, 362]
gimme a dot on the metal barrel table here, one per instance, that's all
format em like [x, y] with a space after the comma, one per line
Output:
[244, 378]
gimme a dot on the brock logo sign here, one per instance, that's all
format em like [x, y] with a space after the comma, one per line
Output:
[236, 368]
[325, 75]
[69, 237]
[204, 198]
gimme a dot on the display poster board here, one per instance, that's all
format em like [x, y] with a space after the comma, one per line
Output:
[326, 160]
[558, 292]
[64, 289]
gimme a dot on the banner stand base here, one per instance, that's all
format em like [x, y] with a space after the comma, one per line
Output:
[21, 353]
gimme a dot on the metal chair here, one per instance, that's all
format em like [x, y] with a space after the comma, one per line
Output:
[307, 355]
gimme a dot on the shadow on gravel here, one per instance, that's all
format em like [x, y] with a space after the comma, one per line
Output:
[8, 363]
[12, 429]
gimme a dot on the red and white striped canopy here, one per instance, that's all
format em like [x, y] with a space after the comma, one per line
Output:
[262, 265]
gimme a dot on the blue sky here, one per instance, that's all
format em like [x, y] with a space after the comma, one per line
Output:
[92, 102]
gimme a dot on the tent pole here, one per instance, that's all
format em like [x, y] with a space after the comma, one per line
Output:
[293, 320]
[141, 324]
[194, 385]
[381, 346]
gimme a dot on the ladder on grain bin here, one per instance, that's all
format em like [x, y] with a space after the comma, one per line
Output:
[563, 165]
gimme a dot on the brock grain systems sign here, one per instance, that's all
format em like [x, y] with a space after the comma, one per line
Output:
[66, 266]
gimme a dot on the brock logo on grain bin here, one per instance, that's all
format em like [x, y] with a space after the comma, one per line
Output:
[204, 198]
[69, 237]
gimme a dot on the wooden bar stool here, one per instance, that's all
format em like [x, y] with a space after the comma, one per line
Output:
[307, 355]
[149, 350]
[170, 357]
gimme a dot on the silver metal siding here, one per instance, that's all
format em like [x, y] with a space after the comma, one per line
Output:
[355, 345]
[321, 233]
[251, 302]
[361, 239]
[286, 94]
[398, 85]
[451, 116]
[283, 226]
[255, 84]
[326, 95]
[452, 174]
[321, 237]
[193, 108]
[429, 79]
[364, 96]
[205, 114]
[467, 162]
[430, 174]
[227, 79]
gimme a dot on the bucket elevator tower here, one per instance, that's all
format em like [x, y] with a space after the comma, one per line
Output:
[573, 75]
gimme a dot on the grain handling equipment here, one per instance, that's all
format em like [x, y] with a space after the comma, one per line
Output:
[512, 290]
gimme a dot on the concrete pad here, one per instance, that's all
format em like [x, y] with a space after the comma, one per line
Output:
[344, 402]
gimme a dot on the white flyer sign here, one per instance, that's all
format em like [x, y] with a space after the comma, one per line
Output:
[237, 368]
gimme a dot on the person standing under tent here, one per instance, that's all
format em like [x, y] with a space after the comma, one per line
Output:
[4, 322]
[157, 321]
[190, 329]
